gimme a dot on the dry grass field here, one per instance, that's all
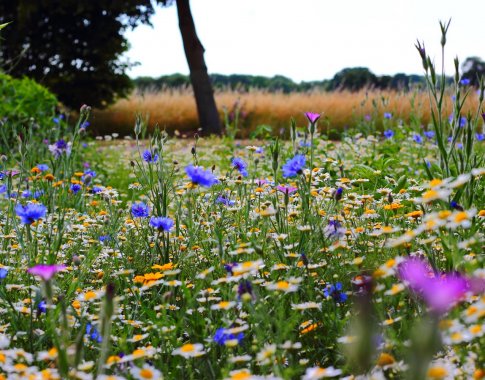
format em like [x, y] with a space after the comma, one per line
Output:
[174, 109]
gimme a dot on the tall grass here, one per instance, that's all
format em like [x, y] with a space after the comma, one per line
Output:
[174, 109]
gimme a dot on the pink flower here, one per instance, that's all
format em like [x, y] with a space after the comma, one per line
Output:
[415, 272]
[440, 293]
[286, 189]
[312, 117]
[46, 272]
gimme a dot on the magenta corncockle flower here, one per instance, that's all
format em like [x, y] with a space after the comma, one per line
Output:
[286, 189]
[440, 292]
[312, 117]
[45, 271]
[415, 272]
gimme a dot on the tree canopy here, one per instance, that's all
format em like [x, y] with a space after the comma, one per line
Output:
[71, 47]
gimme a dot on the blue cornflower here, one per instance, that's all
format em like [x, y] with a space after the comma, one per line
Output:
[161, 223]
[93, 333]
[96, 190]
[338, 194]
[304, 144]
[60, 147]
[42, 167]
[88, 172]
[480, 136]
[104, 238]
[3, 189]
[334, 230]
[294, 166]
[3, 273]
[465, 82]
[428, 134]
[58, 119]
[456, 206]
[75, 188]
[240, 165]
[225, 201]
[222, 335]
[85, 124]
[463, 121]
[418, 138]
[335, 291]
[387, 115]
[149, 156]
[389, 134]
[41, 307]
[245, 287]
[37, 194]
[26, 194]
[31, 212]
[199, 176]
[140, 210]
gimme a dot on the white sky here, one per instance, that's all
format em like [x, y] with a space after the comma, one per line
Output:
[310, 39]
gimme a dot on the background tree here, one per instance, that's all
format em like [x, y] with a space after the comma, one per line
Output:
[74, 48]
[473, 69]
[194, 51]
[353, 79]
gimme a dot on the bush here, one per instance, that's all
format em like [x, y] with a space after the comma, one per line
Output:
[25, 107]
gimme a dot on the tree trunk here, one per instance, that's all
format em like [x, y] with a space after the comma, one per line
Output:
[194, 51]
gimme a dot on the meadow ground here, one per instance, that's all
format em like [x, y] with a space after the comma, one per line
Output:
[252, 259]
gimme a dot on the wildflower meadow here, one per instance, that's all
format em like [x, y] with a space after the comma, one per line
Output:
[216, 258]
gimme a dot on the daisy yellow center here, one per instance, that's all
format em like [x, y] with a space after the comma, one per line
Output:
[437, 372]
[89, 295]
[223, 304]
[146, 373]
[241, 376]
[282, 285]
[461, 216]
[430, 194]
[187, 348]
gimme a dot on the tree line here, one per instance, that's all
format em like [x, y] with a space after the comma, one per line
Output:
[352, 79]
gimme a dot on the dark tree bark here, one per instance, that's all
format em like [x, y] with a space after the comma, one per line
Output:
[194, 51]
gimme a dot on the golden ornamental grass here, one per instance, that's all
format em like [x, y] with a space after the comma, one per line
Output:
[174, 109]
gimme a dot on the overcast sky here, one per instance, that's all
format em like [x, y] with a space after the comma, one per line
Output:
[310, 39]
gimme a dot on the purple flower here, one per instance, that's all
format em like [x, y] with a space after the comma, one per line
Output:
[149, 156]
[225, 201]
[334, 230]
[465, 82]
[417, 138]
[42, 167]
[161, 223]
[30, 212]
[480, 136]
[46, 272]
[387, 115]
[463, 121]
[199, 176]
[3, 273]
[240, 165]
[428, 134]
[294, 166]
[312, 117]
[389, 134]
[286, 189]
[140, 210]
[60, 147]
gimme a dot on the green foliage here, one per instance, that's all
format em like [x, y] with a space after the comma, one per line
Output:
[25, 105]
[71, 46]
